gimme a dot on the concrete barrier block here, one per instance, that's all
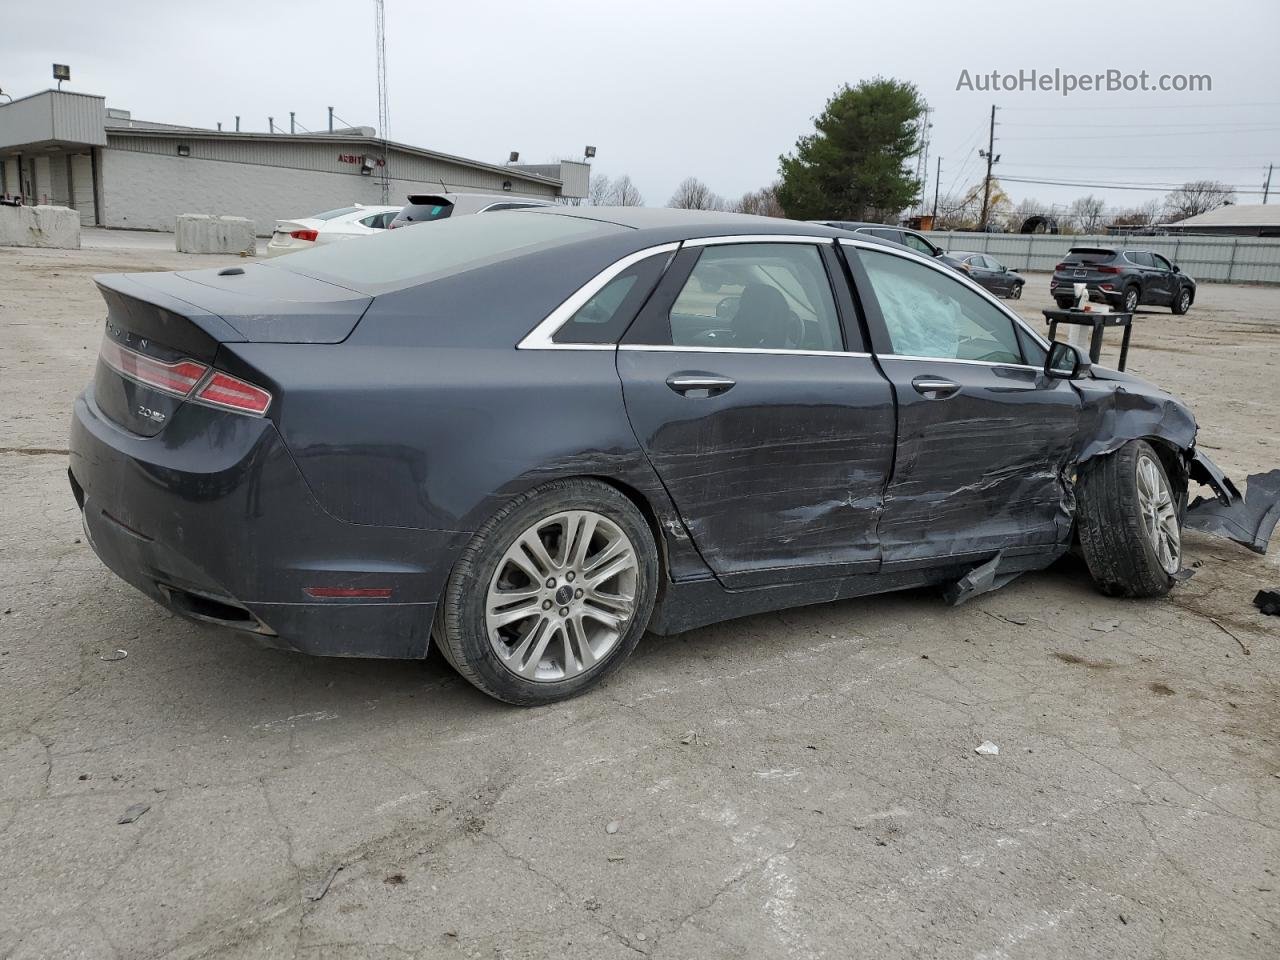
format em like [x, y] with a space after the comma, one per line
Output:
[205, 233]
[39, 227]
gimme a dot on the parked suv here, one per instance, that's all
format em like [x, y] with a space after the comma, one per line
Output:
[1124, 278]
[908, 238]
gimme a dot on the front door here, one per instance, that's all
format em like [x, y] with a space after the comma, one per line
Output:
[1163, 280]
[983, 435]
[752, 394]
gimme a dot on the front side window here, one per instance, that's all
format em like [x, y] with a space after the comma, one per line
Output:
[919, 244]
[757, 296]
[928, 314]
[1161, 262]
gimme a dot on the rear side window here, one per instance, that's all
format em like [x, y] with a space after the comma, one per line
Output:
[1141, 258]
[606, 316]
[929, 314]
[773, 296]
[396, 257]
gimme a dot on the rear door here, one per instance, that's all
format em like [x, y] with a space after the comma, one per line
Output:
[983, 435]
[749, 387]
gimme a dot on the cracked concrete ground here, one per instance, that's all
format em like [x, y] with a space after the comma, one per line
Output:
[829, 803]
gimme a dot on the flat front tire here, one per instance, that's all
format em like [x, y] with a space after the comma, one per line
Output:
[551, 595]
[1129, 518]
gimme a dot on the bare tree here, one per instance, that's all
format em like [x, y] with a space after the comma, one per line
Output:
[625, 194]
[693, 194]
[762, 202]
[1146, 215]
[1196, 197]
[1087, 213]
[600, 190]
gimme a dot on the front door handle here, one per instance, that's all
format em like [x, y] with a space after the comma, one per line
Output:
[699, 384]
[935, 388]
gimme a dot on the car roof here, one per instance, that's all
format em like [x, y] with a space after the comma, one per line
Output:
[661, 224]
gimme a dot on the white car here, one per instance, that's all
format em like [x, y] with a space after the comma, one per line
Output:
[344, 223]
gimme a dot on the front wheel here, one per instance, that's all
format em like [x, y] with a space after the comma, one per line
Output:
[1016, 292]
[1129, 519]
[551, 595]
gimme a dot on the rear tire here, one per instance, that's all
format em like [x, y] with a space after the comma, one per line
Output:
[1064, 303]
[1129, 520]
[528, 640]
[1131, 299]
[1181, 302]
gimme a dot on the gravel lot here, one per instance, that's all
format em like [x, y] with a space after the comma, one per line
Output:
[792, 785]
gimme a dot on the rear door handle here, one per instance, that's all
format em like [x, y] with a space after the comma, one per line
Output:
[699, 384]
[935, 388]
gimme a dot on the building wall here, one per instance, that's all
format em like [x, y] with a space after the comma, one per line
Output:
[147, 191]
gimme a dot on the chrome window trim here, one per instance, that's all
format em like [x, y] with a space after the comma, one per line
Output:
[954, 275]
[759, 238]
[980, 363]
[671, 348]
[542, 336]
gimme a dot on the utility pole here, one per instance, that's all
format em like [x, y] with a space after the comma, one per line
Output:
[1266, 187]
[991, 159]
[331, 119]
[937, 185]
[380, 31]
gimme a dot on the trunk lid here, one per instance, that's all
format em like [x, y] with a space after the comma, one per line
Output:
[164, 328]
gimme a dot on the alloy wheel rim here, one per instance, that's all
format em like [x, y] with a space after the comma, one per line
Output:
[1185, 300]
[562, 596]
[1130, 302]
[1159, 514]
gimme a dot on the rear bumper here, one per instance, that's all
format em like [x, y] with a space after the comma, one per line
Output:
[213, 520]
[1065, 287]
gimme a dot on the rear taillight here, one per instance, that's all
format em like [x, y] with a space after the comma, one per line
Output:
[231, 393]
[305, 234]
[1062, 266]
[1107, 269]
[177, 378]
[180, 377]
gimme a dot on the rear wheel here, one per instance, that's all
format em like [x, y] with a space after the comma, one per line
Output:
[1182, 302]
[551, 595]
[1129, 519]
[1064, 303]
[1130, 299]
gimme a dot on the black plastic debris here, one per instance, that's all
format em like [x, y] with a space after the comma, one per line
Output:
[1268, 601]
[1249, 520]
[981, 579]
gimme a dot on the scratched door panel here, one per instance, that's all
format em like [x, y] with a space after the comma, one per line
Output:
[779, 477]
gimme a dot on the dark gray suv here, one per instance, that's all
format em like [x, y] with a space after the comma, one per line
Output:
[1123, 278]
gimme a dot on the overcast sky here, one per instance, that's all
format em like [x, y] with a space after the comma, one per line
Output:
[713, 88]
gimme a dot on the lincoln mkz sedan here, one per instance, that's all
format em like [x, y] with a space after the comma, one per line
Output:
[529, 438]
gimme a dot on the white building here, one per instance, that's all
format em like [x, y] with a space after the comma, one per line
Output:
[70, 149]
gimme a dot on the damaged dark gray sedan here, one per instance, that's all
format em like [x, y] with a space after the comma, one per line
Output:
[532, 436]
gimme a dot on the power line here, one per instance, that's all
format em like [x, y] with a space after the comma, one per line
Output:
[1156, 106]
[1114, 186]
[1128, 136]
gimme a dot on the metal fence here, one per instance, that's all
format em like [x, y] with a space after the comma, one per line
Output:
[1211, 259]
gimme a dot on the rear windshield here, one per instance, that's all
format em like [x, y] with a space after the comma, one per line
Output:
[394, 257]
[334, 214]
[417, 212]
[1089, 256]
